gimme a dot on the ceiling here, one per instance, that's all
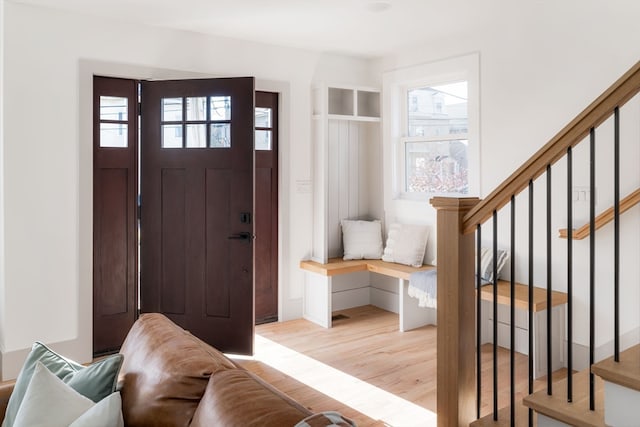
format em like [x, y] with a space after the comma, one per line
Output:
[367, 28]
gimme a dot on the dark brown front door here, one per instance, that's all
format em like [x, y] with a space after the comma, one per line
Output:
[115, 189]
[197, 207]
[266, 207]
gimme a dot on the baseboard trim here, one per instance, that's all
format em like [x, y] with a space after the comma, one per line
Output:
[581, 352]
[385, 300]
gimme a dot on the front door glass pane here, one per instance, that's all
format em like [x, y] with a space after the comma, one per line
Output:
[197, 136]
[171, 109]
[220, 107]
[197, 108]
[171, 136]
[220, 135]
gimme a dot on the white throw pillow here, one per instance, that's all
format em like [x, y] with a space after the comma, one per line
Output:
[406, 244]
[361, 239]
[49, 402]
[106, 413]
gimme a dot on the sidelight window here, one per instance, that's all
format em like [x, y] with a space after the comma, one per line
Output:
[113, 121]
[264, 128]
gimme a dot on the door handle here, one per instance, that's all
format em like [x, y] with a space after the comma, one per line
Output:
[244, 235]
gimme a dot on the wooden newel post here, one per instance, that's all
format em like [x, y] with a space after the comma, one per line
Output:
[456, 313]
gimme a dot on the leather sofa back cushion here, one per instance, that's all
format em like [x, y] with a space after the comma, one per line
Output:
[238, 398]
[164, 373]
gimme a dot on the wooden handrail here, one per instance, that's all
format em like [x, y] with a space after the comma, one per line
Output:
[604, 218]
[597, 112]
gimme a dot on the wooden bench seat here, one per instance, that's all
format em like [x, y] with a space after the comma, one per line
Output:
[521, 298]
[337, 266]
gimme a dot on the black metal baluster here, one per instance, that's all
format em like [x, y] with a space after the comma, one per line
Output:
[530, 297]
[549, 382]
[478, 321]
[592, 262]
[512, 356]
[495, 316]
[569, 276]
[616, 238]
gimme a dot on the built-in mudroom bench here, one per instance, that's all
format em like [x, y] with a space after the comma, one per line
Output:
[340, 284]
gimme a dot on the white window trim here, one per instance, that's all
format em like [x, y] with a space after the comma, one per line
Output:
[395, 86]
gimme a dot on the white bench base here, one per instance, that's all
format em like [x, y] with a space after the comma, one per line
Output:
[319, 296]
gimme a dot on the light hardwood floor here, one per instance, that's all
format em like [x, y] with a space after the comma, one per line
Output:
[366, 369]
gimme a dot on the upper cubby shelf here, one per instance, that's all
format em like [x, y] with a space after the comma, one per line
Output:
[347, 103]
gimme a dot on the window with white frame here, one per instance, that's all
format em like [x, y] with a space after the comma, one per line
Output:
[431, 130]
[435, 141]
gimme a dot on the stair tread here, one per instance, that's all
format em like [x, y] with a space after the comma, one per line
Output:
[625, 373]
[574, 413]
[504, 418]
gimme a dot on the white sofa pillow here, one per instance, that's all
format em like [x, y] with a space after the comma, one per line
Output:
[49, 402]
[106, 413]
[406, 244]
[361, 239]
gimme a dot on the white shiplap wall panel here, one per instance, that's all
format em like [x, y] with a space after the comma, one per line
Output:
[344, 165]
[347, 179]
[319, 147]
[353, 170]
[333, 180]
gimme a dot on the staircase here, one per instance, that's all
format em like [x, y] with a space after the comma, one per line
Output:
[617, 397]
[608, 392]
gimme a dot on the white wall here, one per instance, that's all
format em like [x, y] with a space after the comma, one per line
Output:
[538, 69]
[49, 61]
[2, 265]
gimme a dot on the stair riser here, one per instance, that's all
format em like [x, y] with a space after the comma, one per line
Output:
[544, 421]
[620, 405]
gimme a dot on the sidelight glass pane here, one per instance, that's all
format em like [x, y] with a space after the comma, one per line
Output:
[263, 140]
[171, 136]
[171, 109]
[196, 109]
[113, 108]
[263, 117]
[197, 136]
[113, 135]
[220, 107]
[220, 135]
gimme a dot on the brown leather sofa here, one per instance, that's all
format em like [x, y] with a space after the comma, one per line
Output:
[171, 378]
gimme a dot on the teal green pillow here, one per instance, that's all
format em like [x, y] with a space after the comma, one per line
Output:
[95, 381]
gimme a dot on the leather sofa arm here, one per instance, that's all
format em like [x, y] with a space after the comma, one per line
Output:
[6, 388]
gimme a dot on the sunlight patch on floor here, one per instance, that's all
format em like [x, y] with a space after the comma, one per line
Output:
[359, 395]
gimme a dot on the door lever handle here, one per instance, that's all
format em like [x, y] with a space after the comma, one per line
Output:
[245, 235]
